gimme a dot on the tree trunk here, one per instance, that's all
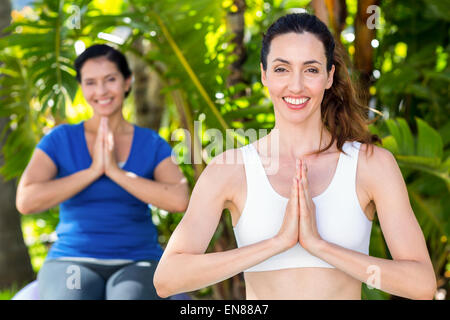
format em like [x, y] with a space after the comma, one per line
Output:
[333, 13]
[148, 100]
[363, 59]
[236, 24]
[15, 264]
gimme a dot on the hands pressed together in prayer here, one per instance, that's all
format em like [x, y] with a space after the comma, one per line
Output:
[103, 155]
[299, 225]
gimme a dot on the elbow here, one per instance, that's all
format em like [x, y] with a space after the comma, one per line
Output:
[183, 204]
[162, 286]
[180, 204]
[428, 290]
[430, 293]
[21, 205]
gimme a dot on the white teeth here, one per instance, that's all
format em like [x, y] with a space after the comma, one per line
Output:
[104, 101]
[295, 101]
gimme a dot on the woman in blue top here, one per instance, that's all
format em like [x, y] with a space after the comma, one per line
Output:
[103, 172]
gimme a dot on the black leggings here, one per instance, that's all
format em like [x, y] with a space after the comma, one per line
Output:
[79, 280]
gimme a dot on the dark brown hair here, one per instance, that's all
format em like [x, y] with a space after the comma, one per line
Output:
[103, 50]
[343, 114]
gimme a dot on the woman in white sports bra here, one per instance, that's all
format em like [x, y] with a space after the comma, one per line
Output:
[302, 199]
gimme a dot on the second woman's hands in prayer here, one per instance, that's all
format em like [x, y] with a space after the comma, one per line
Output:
[103, 155]
[108, 149]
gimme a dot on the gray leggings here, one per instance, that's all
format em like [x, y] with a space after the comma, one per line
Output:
[76, 280]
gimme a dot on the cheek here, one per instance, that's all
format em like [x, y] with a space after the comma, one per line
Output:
[88, 92]
[316, 85]
[275, 86]
[117, 87]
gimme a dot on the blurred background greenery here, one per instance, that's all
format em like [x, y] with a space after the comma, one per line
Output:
[198, 60]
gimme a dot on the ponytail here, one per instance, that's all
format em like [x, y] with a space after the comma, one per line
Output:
[343, 114]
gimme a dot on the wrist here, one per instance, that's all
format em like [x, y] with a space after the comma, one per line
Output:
[93, 173]
[280, 244]
[317, 246]
[112, 172]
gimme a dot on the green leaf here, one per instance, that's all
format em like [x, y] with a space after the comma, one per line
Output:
[396, 134]
[429, 142]
[390, 143]
[407, 141]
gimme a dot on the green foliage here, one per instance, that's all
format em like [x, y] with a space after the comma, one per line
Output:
[422, 153]
[37, 55]
[413, 57]
[188, 44]
[8, 294]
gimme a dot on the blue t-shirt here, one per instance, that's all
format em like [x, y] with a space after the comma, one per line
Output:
[104, 221]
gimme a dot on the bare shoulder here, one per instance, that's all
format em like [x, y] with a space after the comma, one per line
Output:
[376, 166]
[377, 158]
[225, 170]
[229, 163]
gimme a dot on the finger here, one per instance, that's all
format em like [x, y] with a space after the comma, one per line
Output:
[110, 141]
[294, 188]
[297, 169]
[302, 197]
[299, 180]
[305, 180]
[105, 126]
[293, 199]
[102, 123]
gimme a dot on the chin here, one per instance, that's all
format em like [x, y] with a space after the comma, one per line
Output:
[106, 112]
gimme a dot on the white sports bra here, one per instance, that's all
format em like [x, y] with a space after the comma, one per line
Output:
[340, 219]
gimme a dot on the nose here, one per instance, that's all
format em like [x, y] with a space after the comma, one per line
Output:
[296, 83]
[101, 89]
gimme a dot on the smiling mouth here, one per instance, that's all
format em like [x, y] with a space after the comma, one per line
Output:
[104, 101]
[296, 103]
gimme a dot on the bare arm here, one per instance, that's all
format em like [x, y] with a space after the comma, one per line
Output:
[410, 274]
[38, 190]
[169, 190]
[184, 265]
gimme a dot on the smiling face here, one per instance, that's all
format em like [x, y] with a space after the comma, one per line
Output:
[103, 86]
[296, 75]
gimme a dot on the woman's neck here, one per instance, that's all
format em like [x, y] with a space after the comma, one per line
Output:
[298, 140]
[116, 123]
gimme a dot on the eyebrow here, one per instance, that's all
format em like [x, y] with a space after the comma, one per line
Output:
[108, 75]
[304, 63]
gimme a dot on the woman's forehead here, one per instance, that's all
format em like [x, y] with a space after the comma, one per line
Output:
[296, 47]
[98, 68]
